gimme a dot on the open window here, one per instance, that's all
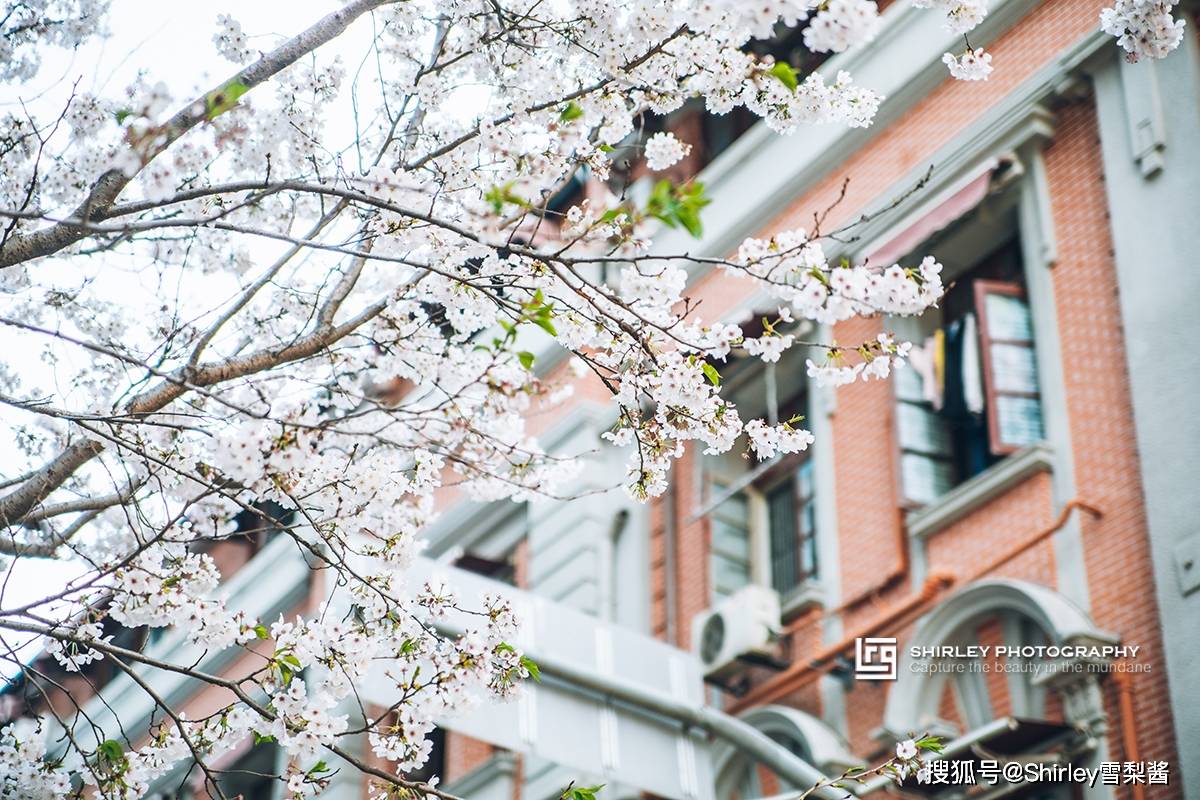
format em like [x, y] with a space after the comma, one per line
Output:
[972, 395]
[762, 515]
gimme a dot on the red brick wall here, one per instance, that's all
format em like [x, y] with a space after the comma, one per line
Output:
[1117, 561]
[1116, 548]
[464, 755]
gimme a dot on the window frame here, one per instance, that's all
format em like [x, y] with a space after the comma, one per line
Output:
[761, 567]
[966, 239]
[982, 288]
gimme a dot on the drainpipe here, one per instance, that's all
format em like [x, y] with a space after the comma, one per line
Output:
[743, 736]
[1124, 682]
[804, 672]
[670, 525]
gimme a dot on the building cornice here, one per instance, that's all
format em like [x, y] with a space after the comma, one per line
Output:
[980, 490]
[762, 170]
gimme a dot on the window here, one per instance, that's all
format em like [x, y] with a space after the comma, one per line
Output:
[972, 396]
[791, 526]
[1009, 366]
[762, 521]
[775, 516]
[503, 569]
[731, 545]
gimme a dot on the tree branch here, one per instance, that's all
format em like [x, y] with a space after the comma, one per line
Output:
[106, 190]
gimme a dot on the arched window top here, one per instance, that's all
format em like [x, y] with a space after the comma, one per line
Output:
[805, 735]
[1032, 614]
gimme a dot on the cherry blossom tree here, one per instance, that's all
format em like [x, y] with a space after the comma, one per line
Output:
[222, 318]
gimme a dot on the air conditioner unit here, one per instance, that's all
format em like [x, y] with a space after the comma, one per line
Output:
[746, 623]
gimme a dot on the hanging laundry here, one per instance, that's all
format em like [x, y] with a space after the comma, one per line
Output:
[963, 396]
[972, 376]
[924, 361]
[938, 343]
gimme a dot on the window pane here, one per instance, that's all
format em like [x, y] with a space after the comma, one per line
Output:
[732, 540]
[804, 482]
[734, 510]
[1008, 317]
[729, 574]
[909, 385]
[730, 544]
[785, 539]
[925, 479]
[922, 430]
[1014, 368]
[1019, 420]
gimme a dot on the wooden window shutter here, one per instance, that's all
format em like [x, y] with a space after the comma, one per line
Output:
[1009, 363]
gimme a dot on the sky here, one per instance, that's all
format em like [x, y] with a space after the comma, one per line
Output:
[171, 40]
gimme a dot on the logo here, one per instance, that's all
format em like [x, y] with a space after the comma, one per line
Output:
[875, 659]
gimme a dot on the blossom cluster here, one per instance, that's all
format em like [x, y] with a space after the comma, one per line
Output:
[1143, 27]
[663, 150]
[769, 440]
[840, 24]
[972, 65]
[796, 268]
[961, 15]
[24, 771]
[879, 358]
[74, 654]
[302, 337]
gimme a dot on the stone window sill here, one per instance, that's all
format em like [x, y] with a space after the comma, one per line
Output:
[802, 598]
[973, 493]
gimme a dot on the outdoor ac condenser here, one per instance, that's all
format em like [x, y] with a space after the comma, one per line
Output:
[744, 624]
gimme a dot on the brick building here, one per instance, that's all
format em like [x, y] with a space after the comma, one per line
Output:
[1045, 506]
[1026, 483]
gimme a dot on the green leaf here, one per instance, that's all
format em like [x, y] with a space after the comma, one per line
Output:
[689, 218]
[111, 750]
[678, 206]
[711, 373]
[260, 739]
[261, 632]
[526, 359]
[931, 743]
[122, 115]
[581, 792]
[570, 111]
[499, 196]
[545, 324]
[531, 668]
[218, 101]
[786, 75]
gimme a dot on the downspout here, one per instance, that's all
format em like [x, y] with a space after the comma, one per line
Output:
[670, 526]
[739, 733]
[805, 672]
[1124, 683]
